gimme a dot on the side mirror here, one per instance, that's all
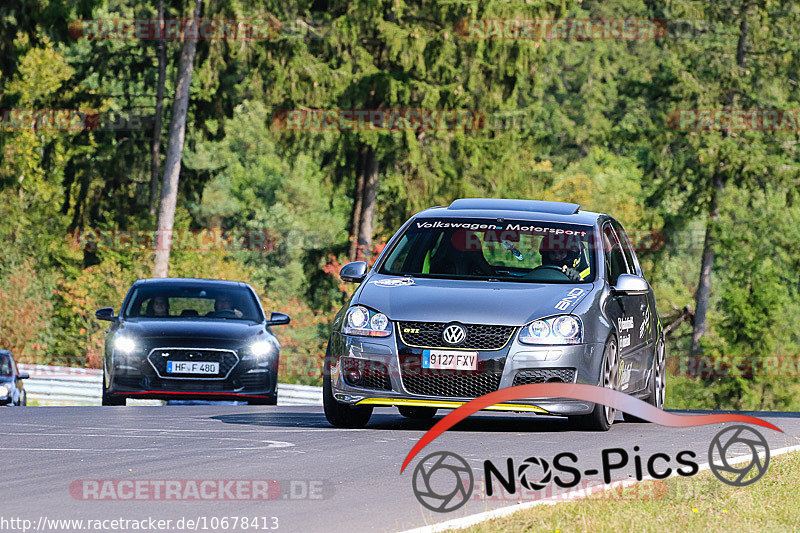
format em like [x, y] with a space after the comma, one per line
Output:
[278, 319]
[631, 284]
[23, 375]
[354, 272]
[106, 313]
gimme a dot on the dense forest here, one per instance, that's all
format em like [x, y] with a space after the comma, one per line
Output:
[678, 117]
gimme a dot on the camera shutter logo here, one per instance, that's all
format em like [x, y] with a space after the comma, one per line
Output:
[526, 476]
[454, 334]
[443, 482]
[738, 441]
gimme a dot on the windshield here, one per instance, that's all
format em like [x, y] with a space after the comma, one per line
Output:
[5, 366]
[190, 301]
[526, 251]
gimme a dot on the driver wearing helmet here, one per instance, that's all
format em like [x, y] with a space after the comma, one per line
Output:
[564, 253]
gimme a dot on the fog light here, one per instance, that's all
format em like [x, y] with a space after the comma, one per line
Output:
[353, 376]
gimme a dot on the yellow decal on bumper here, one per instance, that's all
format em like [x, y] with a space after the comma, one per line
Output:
[448, 404]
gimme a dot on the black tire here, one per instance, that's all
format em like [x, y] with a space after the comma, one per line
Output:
[602, 417]
[656, 389]
[338, 414]
[113, 400]
[263, 401]
[417, 413]
[23, 399]
[110, 400]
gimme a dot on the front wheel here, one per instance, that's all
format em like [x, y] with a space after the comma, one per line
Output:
[108, 399]
[263, 401]
[339, 414]
[602, 416]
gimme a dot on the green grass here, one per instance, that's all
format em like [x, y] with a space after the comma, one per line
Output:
[699, 503]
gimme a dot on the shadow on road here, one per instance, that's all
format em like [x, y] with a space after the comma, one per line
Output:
[389, 421]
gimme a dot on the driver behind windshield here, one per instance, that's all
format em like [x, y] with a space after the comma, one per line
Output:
[564, 254]
[5, 366]
[223, 303]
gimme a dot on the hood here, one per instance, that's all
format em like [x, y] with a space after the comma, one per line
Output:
[196, 329]
[469, 302]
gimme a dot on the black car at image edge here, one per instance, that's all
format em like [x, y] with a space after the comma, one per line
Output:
[11, 390]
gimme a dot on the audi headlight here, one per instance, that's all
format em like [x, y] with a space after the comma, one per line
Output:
[260, 348]
[563, 329]
[3, 391]
[362, 321]
[124, 345]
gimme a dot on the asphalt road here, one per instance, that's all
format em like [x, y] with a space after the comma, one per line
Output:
[353, 476]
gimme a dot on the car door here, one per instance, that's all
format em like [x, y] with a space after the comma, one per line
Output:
[625, 310]
[644, 314]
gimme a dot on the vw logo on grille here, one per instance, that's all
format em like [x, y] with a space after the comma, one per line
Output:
[454, 333]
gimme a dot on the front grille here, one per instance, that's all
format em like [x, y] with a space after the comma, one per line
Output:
[227, 359]
[452, 385]
[544, 375]
[365, 373]
[479, 336]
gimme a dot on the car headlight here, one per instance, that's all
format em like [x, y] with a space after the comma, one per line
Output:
[362, 321]
[124, 345]
[563, 329]
[261, 348]
[3, 391]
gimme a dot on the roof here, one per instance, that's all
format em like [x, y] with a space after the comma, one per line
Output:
[168, 281]
[515, 209]
[504, 204]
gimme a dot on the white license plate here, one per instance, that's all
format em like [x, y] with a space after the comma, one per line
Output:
[447, 360]
[192, 367]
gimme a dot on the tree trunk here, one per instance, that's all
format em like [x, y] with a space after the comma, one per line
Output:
[704, 285]
[177, 133]
[155, 161]
[368, 204]
[703, 293]
[357, 202]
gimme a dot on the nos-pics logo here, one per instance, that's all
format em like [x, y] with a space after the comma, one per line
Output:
[443, 481]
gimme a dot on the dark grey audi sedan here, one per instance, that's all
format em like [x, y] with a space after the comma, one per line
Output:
[193, 339]
[487, 294]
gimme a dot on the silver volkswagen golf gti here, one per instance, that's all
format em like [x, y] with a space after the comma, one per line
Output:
[487, 294]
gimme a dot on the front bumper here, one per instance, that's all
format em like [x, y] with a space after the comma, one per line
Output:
[515, 364]
[240, 378]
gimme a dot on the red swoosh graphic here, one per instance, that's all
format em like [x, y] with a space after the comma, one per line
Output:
[589, 393]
